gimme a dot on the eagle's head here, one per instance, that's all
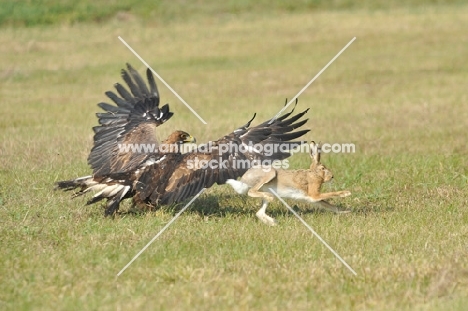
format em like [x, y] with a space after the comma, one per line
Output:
[179, 138]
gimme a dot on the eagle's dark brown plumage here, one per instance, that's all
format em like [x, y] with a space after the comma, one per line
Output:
[161, 177]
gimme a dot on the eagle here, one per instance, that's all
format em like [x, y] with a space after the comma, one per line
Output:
[128, 162]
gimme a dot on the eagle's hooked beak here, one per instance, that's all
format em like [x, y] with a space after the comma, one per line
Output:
[190, 139]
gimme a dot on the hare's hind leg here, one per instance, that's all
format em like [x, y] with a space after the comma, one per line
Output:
[267, 197]
[262, 215]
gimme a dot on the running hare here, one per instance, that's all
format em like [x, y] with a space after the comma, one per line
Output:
[295, 184]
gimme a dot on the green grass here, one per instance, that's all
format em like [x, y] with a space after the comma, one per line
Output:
[49, 12]
[398, 93]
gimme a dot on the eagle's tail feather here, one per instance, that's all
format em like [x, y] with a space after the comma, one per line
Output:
[68, 185]
[114, 194]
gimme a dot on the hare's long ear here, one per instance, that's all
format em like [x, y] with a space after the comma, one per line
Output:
[315, 151]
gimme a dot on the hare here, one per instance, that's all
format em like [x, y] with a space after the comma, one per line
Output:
[295, 184]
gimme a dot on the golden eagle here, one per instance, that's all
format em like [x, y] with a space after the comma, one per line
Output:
[129, 162]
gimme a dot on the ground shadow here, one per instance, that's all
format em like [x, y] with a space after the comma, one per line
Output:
[221, 206]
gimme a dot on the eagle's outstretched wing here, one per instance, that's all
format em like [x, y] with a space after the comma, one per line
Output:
[177, 177]
[132, 121]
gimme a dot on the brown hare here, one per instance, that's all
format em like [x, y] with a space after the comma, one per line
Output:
[295, 184]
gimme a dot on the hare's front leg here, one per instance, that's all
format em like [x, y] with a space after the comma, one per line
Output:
[315, 194]
[341, 194]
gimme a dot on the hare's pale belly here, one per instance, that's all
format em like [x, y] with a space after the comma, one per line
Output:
[286, 192]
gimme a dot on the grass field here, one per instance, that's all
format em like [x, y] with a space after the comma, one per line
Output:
[398, 93]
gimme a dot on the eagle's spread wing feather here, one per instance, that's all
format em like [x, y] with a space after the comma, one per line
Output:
[133, 121]
[180, 176]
